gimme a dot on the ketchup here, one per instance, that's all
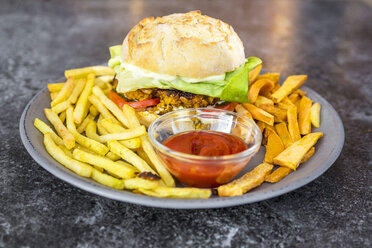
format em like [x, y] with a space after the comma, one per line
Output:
[206, 143]
[205, 173]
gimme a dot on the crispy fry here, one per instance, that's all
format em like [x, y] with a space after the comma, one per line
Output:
[79, 168]
[78, 89]
[67, 137]
[274, 77]
[118, 169]
[62, 116]
[113, 156]
[315, 114]
[259, 114]
[262, 85]
[278, 174]
[125, 135]
[261, 125]
[308, 155]
[53, 95]
[55, 87]
[111, 106]
[64, 93]
[279, 114]
[294, 97]
[290, 84]
[261, 100]
[146, 118]
[82, 104]
[60, 107]
[293, 128]
[140, 183]
[300, 92]
[93, 111]
[178, 192]
[286, 104]
[91, 144]
[84, 72]
[91, 131]
[292, 156]
[144, 156]
[116, 128]
[243, 111]
[129, 156]
[284, 135]
[247, 182]
[274, 146]
[101, 108]
[44, 128]
[81, 128]
[147, 147]
[65, 150]
[107, 180]
[304, 121]
[254, 73]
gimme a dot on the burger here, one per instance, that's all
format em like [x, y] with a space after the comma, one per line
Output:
[186, 60]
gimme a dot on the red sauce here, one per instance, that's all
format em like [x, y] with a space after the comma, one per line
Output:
[206, 143]
[206, 172]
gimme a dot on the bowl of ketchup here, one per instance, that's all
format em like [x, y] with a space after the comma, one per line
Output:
[205, 147]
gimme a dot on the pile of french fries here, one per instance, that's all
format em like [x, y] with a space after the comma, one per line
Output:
[120, 155]
[285, 116]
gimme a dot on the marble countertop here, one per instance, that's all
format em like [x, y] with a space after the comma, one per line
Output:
[331, 41]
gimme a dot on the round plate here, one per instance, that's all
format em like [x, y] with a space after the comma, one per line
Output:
[328, 149]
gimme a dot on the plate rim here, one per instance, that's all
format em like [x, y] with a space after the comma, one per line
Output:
[170, 203]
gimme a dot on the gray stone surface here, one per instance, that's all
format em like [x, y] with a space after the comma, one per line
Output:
[331, 41]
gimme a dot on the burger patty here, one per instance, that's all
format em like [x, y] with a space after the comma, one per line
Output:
[171, 99]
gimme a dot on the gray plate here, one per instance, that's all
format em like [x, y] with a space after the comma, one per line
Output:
[328, 149]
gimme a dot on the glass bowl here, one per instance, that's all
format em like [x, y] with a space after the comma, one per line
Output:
[204, 171]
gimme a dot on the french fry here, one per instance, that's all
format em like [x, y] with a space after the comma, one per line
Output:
[81, 128]
[129, 156]
[292, 156]
[53, 95]
[300, 92]
[304, 121]
[91, 144]
[147, 147]
[91, 131]
[44, 128]
[62, 116]
[93, 111]
[79, 168]
[84, 72]
[60, 107]
[125, 135]
[117, 128]
[261, 125]
[144, 156]
[293, 128]
[178, 192]
[64, 93]
[262, 85]
[259, 114]
[107, 180]
[290, 84]
[254, 73]
[101, 108]
[81, 107]
[274, 77]
[113, 156]
[247, 182]
[261, 100]
[65, 150]
[100, 128]
[243, 111]
[146, 118]
[278, 174]
[286, 104]
[274, 146]
[279, 114]
[140, 183]
[308, 155]
[105, 86]
[78, 89]
[315, 114]
[283, 133]
[67, 137]
[55, 87]
[118, 169]
[294, 97]
[111, 106]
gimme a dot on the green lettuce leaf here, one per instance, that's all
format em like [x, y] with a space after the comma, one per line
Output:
[234, 88]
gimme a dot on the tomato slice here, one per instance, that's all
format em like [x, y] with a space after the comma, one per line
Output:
[118, 100]
[230, 106]
[144, 103]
